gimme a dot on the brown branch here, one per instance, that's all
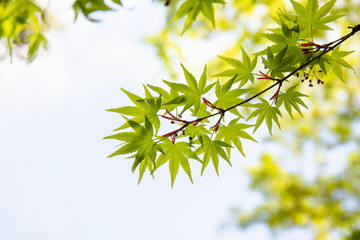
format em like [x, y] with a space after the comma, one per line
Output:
[325, 49]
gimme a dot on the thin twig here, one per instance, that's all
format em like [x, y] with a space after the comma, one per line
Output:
[327, 48]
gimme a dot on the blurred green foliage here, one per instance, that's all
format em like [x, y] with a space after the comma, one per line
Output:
[327, 203]
[22, 22]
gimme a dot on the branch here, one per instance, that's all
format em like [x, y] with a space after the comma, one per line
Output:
[326, 48]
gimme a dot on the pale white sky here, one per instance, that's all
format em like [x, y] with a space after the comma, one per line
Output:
[55, 179]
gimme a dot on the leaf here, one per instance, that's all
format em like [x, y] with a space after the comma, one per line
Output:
[265, 112]
[147, 163]
[279, 63]
[117, 2]
[228, 98]
[291, 100]
[35, 39]
[242, 69]
[207, 9]
[192, 8]
[87, 7]
[212, 150]
[337, 62]
[144, 108]
[310, 17]
[232, 133]
[177, 155]
[193, 91]
[140, 142]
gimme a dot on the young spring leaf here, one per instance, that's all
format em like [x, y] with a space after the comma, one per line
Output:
[265, 112]
[310, 17]
[87, 7]
[139, 141]
[212, 150]
[232, 133]
[291, 99]
[192, 91]
[177, 154]
[144, 107]
[280, 63]
[192, 8]
[228, 97]
[242, 69]
[146, 163]
[337, 62]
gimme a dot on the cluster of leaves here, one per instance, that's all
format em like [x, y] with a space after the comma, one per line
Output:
[87, 7]
[22, 22]
[328, 204]
[204, 141]
[189, 9]
[192, 8]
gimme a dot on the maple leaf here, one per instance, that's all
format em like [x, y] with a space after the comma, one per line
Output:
[242, 69]
[278, 63]
[233, 132]
[139, 141]
[144, 107]
[265, 112]
[192, 8]
[228, 97]
[212, 150]
[177, 154]
[312, 17]
[87, 7]
[337, 62]
[291, 100]
[146, 163]
[192, 92]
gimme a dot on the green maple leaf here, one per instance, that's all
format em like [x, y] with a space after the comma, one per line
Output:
[177, 154]
[144, 107]
[279, 63]
[233, 132]
[194, 131]
[285, 37]
[117, 2]
[265, 112]
[192, 8]
[242, 69]
[337, 62]
[139, 141]
[212, 150]
[146, 164]
[291, 100]
[89, 6]
[228, 97]
[312, 17]
[191, 92]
